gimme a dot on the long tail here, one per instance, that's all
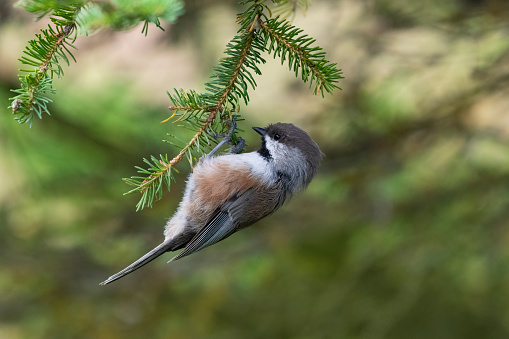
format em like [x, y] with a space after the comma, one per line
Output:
[162, 248]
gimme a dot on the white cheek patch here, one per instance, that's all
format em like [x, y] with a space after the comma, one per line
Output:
[277, 150]
[290, 161]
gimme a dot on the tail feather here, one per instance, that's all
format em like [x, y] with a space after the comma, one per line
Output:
[162, 248]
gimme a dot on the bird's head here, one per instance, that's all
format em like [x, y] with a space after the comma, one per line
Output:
[291, 151]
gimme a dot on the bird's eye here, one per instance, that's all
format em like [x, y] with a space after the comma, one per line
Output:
[277, 137]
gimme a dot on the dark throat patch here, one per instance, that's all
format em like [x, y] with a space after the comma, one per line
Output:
[263, 151]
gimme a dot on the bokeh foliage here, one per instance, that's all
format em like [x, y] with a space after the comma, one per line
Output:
[403, 234]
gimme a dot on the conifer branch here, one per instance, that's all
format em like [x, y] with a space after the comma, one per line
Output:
[31, 96]
[44, 53]
[286, 42]
[228, 86]
[206, 114]
[52, 46]
[208, 106]
[235, 75]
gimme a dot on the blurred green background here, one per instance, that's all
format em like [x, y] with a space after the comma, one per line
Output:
[403, 233]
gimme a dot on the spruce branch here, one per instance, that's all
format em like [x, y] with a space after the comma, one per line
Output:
[187, 104]
[227, 86]
[52, 47]
[160, 173]
[31, 97]
[44, 54]
[207, 114]
[287, 43]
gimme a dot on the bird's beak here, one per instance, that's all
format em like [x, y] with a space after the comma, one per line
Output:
[259, 130]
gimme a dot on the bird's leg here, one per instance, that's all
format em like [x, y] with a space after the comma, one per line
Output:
[227, 139]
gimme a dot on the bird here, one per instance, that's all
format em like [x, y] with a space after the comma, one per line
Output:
[229, 192]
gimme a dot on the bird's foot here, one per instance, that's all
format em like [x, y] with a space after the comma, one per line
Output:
[234, 149]
[227, 138]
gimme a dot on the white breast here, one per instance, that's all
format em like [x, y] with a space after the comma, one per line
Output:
[259, 166]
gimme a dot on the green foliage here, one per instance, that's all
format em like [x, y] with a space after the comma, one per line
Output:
[152, 184]
[207, 114]
[230, 82]
[52, 46]
[44, 53]
[287, 9]
[32, 97]
[63, 11]
[125, 14]
[287, 42]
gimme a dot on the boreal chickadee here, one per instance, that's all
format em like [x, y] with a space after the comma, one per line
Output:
[227, 193]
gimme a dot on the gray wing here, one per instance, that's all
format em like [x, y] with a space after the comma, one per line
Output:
[220, 227]
[237, 212]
